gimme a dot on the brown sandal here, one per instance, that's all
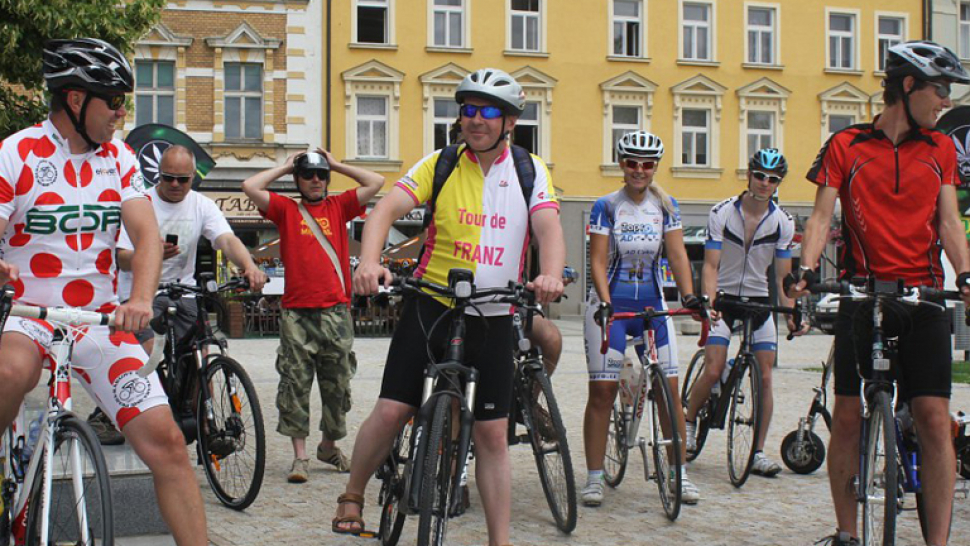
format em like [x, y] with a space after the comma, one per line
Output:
[349, 498]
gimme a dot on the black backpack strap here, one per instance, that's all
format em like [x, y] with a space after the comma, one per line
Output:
[526, 171]
[443, 167]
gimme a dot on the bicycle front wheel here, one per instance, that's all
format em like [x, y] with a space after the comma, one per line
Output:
[232, 442]
[614, 464]
[744, 420]
[665, 443]
[436, 477]
[880, 474]
[80, 495]
[694, 371]
[547, 434]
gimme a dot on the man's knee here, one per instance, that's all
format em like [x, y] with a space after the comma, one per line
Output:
[932, 418]
[491, 435]
[390, 416]
[157, 440]
[20, 365]
[846, 419]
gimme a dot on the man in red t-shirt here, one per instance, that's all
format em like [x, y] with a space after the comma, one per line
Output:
[316, 330]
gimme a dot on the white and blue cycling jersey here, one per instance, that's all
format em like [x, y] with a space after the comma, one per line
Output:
[636, 232]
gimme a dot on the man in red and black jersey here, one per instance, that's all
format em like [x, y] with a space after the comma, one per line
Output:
[896, 179]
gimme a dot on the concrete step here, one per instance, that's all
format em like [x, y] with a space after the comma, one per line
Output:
[133, 494]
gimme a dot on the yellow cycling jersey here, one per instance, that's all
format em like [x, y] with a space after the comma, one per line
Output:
[481, 222]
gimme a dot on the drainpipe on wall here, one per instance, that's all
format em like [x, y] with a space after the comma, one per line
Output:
[327, 69]
[927, 19]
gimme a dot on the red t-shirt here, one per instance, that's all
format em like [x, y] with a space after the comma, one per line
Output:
[889, 201]
[310, 279]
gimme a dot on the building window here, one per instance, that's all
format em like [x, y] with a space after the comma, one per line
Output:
[842, 41]
[526, 132]
[839, 122]
[627, 28]
[371, 127]
[244, 100]
[697, 32]
[965, 30]
[154, 92]
[891, 31]
[372, 21]
[761, 36]
[449, 23]
[626, 119]
[445, 114]
[695, 135]
[525, 25]
[761, 131]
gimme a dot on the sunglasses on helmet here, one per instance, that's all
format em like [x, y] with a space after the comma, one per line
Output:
[771, 178]
[488, 111]
[634, 164]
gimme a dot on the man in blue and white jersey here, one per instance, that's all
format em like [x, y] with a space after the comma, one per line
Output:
[746, 234]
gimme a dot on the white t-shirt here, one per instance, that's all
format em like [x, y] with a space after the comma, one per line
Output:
[194, 217]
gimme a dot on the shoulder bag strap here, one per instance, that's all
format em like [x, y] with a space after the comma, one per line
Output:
[327, 247]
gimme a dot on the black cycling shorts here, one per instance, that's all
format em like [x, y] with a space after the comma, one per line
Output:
[732, 314]
[924, 363]
[488, 347]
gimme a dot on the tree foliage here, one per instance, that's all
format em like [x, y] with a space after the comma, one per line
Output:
[26, 24]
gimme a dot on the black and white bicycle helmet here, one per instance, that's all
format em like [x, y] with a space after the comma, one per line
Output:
[640, 144]
[86, 63]
[493, 85]
[924, 61]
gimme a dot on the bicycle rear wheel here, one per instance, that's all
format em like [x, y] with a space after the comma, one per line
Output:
[614, 464]
[436, 478]
[703, 421]
[880, 474]
[232, 445]
[744, 420]
[547, 435]
[80, 490]
[392, 489]
[665, 444]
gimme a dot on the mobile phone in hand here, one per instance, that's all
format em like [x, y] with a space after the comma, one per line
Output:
[172, 239]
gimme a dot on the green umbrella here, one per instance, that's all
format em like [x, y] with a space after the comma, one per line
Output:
[151, 140]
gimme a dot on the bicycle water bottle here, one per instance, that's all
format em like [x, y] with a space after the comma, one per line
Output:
[33, 434]
[716, 389]
[626, 381]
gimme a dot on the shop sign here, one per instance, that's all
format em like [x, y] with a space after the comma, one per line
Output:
[234, 205]
[413, 218]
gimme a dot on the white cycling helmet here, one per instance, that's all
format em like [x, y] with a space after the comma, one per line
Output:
[493, 85]
[640, 144]
[924, 61]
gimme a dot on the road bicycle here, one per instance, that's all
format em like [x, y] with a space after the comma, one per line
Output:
[534, 406]
[890, 456]
[57, 491]
[802, 450]
[212, 397]
[648, 391]
[427, 483]
[735, 401]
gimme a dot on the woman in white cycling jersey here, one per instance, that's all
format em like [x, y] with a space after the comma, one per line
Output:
[628, 230]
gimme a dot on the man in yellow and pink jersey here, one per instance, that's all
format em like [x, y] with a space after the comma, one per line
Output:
[480, 222]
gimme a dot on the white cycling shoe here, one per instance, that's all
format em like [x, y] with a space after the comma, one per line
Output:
[763, 466]
[593, 494]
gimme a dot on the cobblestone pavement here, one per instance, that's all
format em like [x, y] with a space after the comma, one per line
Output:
[788, 509]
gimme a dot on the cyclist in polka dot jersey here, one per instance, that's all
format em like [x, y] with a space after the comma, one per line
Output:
[65, 190]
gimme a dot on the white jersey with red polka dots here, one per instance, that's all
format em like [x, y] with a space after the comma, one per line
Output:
[63, 215]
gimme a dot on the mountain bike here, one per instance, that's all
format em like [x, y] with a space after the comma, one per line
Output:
[212, 397]
[890, 458]
[60, 492]
[430, 477]
[735, 401]
[648, 391]
[534, 406]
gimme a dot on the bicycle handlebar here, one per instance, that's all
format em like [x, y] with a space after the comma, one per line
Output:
[795, 311]
[649, 313]
[911, 295]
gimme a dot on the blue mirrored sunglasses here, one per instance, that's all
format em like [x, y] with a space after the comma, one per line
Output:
[488, 112]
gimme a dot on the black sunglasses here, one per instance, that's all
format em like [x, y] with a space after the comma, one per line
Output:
[942, 89]
[114, 102]
[175, 177]
[308, 174]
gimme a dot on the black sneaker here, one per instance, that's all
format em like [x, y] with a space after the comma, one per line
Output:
[105, 430]
[838, 539]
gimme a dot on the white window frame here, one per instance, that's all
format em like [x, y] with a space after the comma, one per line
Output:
[771, 132]
[762, 95]
[828, 124]
[853, 35]
[439, 83]
[684, 131]
[537, 123]
[155, 92]
[963, 31]
[243, 95]
[464, 11]
[774, 29]
[538, 87]
[844, 99]
[640, 125]
[711, 27]
[435, 120]
[627, 89]
[698, 93]
[390, 36]
[373, 79]
[385, 118]
[641, 20]
[901, 37]
[161, 44]
[541, 29]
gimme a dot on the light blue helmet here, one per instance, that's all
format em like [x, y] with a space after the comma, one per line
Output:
[769, 159]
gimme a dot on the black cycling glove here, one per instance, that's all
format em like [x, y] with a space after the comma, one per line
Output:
[690, 301]
[801, 274]
[603, 313]
[963, 279]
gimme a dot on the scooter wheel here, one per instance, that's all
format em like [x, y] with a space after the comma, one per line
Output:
[802, 457]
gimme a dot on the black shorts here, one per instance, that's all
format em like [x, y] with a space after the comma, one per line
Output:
[732, 314]
[924, 363]
[488, 347]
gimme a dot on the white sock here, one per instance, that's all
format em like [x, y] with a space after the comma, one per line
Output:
[594, 476]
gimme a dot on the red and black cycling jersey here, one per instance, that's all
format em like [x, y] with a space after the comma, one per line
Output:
[889, 197]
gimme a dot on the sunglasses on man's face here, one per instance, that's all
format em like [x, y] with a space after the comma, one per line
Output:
[771, 178]
[114, 102]
[169, 178]
[488, 112]
[942, 89]
[634, 164]
[308, 174]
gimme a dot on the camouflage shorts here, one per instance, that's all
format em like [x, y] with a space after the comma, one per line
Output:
[315, 341]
